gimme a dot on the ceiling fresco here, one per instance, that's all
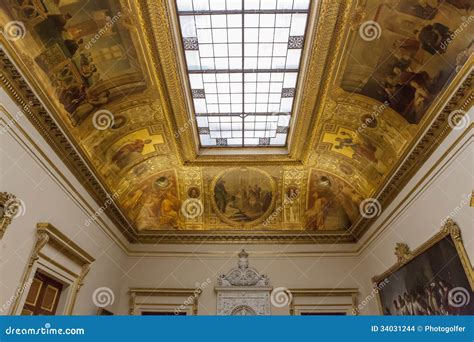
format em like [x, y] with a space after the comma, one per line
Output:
[102, 70]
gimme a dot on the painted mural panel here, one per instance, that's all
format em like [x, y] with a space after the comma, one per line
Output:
[406, 52]
[154, 203]
[243, 195]
[85, 48]
[332, 204]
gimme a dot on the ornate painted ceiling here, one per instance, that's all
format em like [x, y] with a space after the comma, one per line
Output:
[377, 75]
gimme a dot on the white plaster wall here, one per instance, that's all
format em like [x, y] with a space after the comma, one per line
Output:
[191, 271]
[48, 198]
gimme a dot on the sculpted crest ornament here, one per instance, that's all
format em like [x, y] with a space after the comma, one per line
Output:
[243, 275]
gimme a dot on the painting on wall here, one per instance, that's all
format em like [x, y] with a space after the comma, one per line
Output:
[155, 203]
[410, 54]
[332, 204]
[86, 50]
[434, 280]
[243, 196]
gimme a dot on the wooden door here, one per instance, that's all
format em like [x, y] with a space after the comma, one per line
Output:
[43, 296]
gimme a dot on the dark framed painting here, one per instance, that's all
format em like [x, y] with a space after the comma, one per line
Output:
[435, 279]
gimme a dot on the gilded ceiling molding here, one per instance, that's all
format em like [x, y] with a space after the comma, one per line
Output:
[246, 237]
[10, 206]
[14, 83]
[332, 24]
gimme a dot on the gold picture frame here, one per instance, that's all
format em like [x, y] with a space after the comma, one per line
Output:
[404, 256]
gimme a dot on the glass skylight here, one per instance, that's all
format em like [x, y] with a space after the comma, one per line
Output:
[243, 59]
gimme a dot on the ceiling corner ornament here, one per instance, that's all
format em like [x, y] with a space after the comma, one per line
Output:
[243, 275]
[402, 252]
[10, 207]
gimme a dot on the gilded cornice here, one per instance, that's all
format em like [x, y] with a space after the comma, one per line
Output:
[20, 91]
[246, 237]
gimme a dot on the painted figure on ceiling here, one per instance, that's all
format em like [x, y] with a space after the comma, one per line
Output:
[169, 210]
[221, 195]
[433, 38]
[331, 205]
[125, 153]
[365, 150]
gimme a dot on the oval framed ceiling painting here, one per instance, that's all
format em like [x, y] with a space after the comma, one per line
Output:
[243, 197]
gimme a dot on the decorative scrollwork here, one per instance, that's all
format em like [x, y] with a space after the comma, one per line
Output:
[243, 275]
[9, 208]
[402, 251]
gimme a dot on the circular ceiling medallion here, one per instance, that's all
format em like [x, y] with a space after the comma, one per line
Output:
[243, 197]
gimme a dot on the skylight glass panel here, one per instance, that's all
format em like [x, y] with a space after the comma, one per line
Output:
[243, 59]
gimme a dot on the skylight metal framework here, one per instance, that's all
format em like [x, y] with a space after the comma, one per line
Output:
[243, 59]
